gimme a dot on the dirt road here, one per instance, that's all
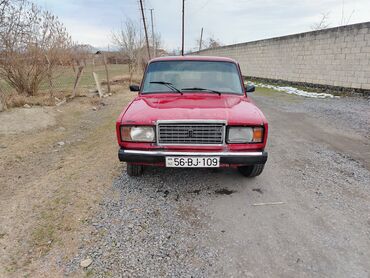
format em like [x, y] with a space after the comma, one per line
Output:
[52, 181]
[179, 222]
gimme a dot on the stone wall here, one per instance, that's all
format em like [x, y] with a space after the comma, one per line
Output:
[337, 56]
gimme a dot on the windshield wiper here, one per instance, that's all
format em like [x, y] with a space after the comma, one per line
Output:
[168, 84]
[201, 89]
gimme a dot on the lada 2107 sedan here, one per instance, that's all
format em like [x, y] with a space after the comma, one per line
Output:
[192, 111]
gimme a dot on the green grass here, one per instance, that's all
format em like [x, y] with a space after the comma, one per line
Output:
[271, 93]
[266, 90]
[50, 221]
[64, 77]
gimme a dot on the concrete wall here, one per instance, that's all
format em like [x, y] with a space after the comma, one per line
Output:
[337, 57]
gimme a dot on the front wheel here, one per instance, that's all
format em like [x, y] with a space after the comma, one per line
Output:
[134, 170]
[252, 170]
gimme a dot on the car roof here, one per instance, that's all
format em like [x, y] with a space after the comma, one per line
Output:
[193, 58]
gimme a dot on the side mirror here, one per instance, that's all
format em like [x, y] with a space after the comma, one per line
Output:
[134, 88]
[250, 88]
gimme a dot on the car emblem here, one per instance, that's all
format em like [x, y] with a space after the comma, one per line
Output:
[190, 133]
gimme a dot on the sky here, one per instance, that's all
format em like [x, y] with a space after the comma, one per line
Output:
[229, 21]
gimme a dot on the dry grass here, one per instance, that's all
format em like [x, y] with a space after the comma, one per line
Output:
[45, 99]
[63, 86]
[124, 79]
[66, 184]
[272, 94]
[16, 100]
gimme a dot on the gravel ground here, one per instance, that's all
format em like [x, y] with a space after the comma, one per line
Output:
[348, 113]
[147, 228]
[203, 223]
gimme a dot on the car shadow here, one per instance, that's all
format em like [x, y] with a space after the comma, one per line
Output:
[186, 182]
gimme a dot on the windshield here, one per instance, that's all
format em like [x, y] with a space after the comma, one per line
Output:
[187, 76]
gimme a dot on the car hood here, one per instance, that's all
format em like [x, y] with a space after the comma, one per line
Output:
[197, 106]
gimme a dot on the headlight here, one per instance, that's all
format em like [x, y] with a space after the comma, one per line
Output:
[245, 134]
[137, 133]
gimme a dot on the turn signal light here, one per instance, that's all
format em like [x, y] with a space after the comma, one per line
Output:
[257, 134]
[125, 133]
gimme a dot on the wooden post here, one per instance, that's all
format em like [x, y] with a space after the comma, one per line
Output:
[2, 101]
[201, 39]
[98, 84]
[50, 79]
[78, 78]
[51, 86]
[106, 71]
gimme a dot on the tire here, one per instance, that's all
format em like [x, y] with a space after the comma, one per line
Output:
[252, 170]
[134, 170]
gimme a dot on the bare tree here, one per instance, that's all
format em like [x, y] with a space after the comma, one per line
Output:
[345, 20]
[208, 43]
[213, 43]
[174, 52]
[80, 53]
[32, 44]
[157, 42]
[130, 44]
[3, 8]
[322, 24]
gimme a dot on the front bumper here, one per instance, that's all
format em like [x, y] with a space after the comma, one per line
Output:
[159, 157]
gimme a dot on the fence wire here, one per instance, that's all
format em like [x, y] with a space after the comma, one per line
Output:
[64, 78]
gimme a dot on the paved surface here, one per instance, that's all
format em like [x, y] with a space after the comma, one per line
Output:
[183, 223]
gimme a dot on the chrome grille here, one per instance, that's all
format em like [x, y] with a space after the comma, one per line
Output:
[183, 133]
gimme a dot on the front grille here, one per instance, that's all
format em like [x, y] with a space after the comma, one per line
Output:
[191, 133]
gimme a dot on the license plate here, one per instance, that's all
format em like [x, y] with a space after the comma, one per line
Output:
[192, 161]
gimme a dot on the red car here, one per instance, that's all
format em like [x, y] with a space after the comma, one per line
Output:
[192, 111]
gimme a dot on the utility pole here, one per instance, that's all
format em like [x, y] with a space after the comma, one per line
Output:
[154, 46]
[183, 17]
[146, 32]
[201, 39]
